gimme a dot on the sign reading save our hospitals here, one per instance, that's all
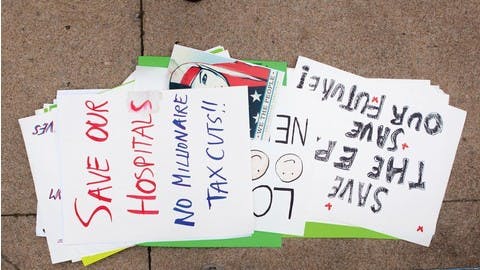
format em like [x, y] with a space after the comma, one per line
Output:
[175, 160]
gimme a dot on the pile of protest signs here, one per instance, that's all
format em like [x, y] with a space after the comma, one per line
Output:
[203, 150]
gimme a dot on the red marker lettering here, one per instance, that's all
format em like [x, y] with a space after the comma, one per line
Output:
[97, 187]
[144, 104]
[96, 193]
[142, 141]
[98, 209]
[97, 165]
[89, 104]
[96, 121]
[142, 211]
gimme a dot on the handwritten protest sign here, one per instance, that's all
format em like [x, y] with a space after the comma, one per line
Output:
[292, 136]
[148, 70]
[282, 169]
[384, 159]
[118, 149]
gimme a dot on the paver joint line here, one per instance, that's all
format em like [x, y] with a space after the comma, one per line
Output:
[149, 258]
[142, 33]
[4, 258]
[20, 215]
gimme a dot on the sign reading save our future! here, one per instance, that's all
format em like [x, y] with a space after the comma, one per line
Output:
[141, 161]
[203, 150]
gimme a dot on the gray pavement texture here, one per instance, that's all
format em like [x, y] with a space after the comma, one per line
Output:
[51, 45]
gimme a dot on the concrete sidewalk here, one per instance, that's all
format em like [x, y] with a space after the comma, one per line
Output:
[51, 45]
